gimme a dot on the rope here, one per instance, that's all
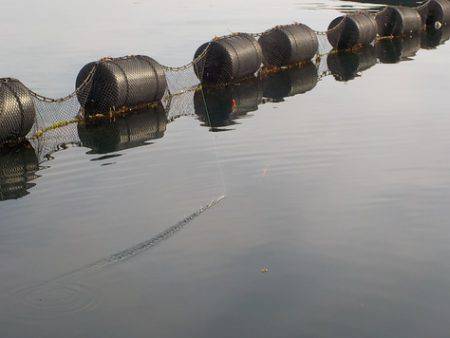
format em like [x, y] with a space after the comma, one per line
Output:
[68, 97]
[199, 58]
[190, 64]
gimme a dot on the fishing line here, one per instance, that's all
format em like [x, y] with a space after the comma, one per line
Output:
[216, 152]
[42, 289]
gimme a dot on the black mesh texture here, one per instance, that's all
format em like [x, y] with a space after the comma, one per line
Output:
[60, 123]
[119, 86]
[104, 135]
[220, 106]
[17, 111]
[397, 49]
[352, 30]
[435, 11]
[398, 21]
[18, 166]
[229, 58]
[123, 82]
[123, 89]
[290, 82]
[433, 37]
[346, 65]
[286, 45]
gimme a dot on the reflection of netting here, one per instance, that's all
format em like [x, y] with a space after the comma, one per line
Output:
[216, 107]
[324, 45]
[18, 167]
[105, 135]
[219, 107]
[186, 77]
[126, 83]
[181, 105]
[53, 114]
[55, 139]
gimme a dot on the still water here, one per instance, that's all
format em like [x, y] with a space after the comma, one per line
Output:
[338, 189]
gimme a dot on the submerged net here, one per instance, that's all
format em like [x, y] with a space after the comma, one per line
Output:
[215, 107]
[56, 113]
[225, 103]
[225, 60]
[51, 113]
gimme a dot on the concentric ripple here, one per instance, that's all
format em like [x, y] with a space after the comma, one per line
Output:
[49, 301]
[60, 296]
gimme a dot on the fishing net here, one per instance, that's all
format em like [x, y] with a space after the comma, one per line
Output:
[109, 89]
[215, 107]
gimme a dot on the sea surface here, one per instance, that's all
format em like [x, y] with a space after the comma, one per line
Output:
[310, 204]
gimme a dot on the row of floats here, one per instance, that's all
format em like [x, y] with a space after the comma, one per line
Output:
[112, 83]
[216, 107]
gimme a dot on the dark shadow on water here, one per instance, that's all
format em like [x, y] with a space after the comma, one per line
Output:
[432, 37]
[18, 167]
[347, 65]
[220, 107]
[397, 49]
[290, 82]
[134, 129]
[106, 157]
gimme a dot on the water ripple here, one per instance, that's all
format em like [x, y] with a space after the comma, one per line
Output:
[49, 300]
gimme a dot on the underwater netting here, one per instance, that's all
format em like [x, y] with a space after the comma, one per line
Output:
[181, 105]
[216, 107]
[220, 105]
[111, 132]
[55, 139]
[113, 87]
[127, 102]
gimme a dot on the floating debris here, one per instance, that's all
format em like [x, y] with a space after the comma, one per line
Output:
[264, 269]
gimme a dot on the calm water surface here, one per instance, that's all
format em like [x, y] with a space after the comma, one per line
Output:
[341, 192]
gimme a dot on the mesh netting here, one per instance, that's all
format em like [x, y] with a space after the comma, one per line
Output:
[216, 107]
[110, 88]
[18, 167]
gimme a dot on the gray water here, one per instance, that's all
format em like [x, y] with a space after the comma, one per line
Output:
[341, 193]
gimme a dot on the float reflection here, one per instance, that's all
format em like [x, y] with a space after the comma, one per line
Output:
[134, 129]
[18, 167]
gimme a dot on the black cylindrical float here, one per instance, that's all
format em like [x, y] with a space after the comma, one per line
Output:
[397, 49]
[18, 166]
[127, 131]
[219, 107]
[228, 59]
[352, 30]
[398, 21]
[432, 37]
[290, 82]
[435, 11]
[17, 110]
[345, 65]
[121, 82]
[285, 45]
